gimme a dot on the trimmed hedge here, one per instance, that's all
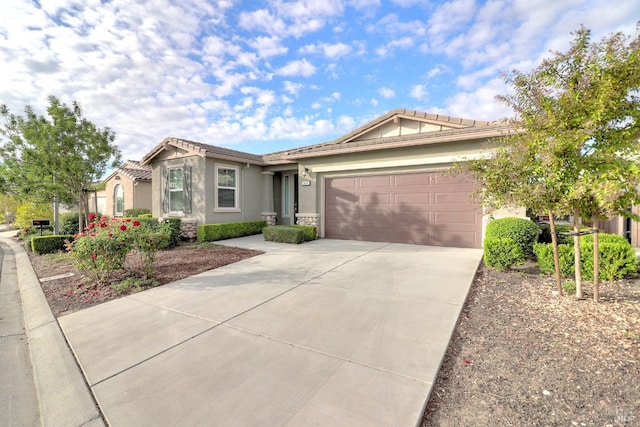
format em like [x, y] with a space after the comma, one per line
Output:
[502, 253]
[229, 230]
[49, 244]
[284, 234]
[617, 257]
[310, 232]
[137, 212]
[523, 232]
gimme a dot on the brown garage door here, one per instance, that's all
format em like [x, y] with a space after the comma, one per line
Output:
[421, 208]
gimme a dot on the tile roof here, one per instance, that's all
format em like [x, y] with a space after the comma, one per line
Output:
[133, 170]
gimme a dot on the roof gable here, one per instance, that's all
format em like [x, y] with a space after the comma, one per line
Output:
[193, 148]
[400, 122]
[133, 170]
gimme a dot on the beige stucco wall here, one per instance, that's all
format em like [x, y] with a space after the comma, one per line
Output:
[136, 194]
[203, 172]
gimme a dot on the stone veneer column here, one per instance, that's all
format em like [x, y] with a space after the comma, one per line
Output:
[268, 211]
[308, 219]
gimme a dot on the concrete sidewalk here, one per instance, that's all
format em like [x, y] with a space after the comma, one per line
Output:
[335, 333]
[45, 383]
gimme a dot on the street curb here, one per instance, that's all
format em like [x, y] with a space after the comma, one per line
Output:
[63, 395]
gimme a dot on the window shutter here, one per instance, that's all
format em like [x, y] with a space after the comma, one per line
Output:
[165, 193]
[186, 182]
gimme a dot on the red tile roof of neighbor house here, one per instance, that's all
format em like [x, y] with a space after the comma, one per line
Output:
[451, 129]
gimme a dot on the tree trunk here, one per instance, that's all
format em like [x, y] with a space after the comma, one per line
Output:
[596, 261]
[556, 259]
[576, 249]
[80, 213]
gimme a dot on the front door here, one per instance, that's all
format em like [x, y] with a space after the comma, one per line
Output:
[289, 198]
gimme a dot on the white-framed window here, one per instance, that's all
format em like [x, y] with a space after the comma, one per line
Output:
[227, 188]
[118, 196]
[176, 190]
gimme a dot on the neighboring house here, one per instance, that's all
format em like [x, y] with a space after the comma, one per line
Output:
[128, 187]
[624, 226]
[385, 181]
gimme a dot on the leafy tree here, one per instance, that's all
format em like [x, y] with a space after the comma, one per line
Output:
[8, 207]
[56, 156]
[574, 149]
[29, 210]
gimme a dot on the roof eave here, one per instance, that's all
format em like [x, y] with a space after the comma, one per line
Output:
[347, 148]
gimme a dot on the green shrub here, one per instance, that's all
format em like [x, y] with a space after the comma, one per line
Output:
[310, 232]
[544, 255]
[68, 223]
[563, 239]
[229, 230]
[502, 253]
[175, 226]
[523, 232]
[617, 257]
[136, 212]
[49, 244]
[283, 234]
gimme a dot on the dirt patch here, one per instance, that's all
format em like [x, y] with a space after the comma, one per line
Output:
[75, 292]
[522, 356]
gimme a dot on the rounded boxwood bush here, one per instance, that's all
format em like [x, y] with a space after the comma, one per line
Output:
[523, 232]
[502, 252]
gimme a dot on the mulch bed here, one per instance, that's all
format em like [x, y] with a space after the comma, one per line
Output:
[76, 292]
[522, 356]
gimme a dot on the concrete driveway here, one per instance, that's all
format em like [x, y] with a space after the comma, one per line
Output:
[330, 332]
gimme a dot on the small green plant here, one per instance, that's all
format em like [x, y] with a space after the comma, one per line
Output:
[569, 287]
[134, 282]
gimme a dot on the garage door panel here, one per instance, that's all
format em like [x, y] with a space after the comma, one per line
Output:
[459, 198]
[462, 239]
[413, 180]
[375, 199]
[466, 218]
[342, 183]
[413, 198]
[413, 217]
[375, 181]
[420, 208]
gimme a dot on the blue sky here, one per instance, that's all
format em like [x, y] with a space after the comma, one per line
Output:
[262, 76]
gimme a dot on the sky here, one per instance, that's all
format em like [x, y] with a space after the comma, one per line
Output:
[264, 76]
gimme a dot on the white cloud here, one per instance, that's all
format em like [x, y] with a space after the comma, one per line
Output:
[418, 92]
[266, 47]
[292, 87]
[329, 50]
[387, 93]
[300, 67]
